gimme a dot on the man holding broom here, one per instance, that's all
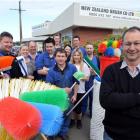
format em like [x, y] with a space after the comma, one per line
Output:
[61, 75]
[6, 44]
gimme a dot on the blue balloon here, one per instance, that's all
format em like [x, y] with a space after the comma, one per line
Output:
[109, 51]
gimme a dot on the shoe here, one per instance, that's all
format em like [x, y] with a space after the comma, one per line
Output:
[72, 123]
[64, 137]
[79, 124]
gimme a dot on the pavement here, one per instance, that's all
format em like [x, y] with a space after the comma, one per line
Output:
[81, 134]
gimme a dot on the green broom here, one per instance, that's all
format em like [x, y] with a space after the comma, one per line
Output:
[91, 65]
[57, 97]
[78, 76]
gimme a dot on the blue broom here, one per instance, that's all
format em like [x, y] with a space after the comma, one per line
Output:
[57, 97]
[52, 118]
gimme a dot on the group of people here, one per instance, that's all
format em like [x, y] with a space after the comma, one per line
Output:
[119, 91]
[55, 65]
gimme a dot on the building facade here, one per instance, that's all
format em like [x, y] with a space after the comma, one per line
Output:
[89, 22]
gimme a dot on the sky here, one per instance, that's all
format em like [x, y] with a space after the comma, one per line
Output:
[38, 11]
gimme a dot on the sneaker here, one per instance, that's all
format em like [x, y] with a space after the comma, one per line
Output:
[72, 123]
[79, 124]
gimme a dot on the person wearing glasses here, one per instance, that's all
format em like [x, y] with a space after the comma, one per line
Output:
[120, 91]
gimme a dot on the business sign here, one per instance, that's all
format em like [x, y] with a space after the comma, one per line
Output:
[41, 26]
[86, 10]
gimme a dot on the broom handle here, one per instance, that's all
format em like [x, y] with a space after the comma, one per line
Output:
[92, 68]
[2, 73]
[79, 101]
[43, 136]
[73, 85]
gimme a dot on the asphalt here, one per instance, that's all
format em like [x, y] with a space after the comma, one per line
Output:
[81, 134]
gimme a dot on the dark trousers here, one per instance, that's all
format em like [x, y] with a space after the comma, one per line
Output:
[88, 98]
[78, 109]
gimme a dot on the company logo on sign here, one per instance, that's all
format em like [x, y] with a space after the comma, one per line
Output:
[86, 10]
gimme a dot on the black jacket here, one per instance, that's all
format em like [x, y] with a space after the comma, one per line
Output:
[120, 97]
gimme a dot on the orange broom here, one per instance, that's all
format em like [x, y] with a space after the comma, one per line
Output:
[6, 63]
[21, 120]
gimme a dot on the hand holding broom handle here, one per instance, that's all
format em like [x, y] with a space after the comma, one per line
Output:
[68, 113]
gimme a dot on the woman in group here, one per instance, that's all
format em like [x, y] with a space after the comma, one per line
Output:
[68, 50]
[77, 60]
[27, 65]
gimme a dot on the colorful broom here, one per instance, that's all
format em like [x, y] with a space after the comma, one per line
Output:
[52, 118]
[14, 87]
[57, 97]
[6, 63]
[78, 76]
[4, 135]
[21, 120]
[91, 65]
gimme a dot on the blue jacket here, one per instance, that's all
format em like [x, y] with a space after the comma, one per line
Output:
[44, 60]
[2, 53]
[63, 78]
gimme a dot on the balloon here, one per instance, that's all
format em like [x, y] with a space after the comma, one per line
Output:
[109, 43]
[102, 48]
[105, 42]
[114, 44]
[109, 51]
[119, 44]
[117, 52]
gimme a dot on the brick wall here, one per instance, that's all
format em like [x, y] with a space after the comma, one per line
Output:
[91, 34]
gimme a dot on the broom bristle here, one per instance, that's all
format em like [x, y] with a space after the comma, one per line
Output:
[8, 60]
[55, 97]
[52, 118]
[20, 119]
[4, 135]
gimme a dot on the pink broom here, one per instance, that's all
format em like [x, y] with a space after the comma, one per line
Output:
[21, 120]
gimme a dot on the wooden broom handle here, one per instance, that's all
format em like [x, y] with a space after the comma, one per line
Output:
[43, 136]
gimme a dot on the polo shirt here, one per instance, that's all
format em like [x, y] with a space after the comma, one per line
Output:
[61, 78]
